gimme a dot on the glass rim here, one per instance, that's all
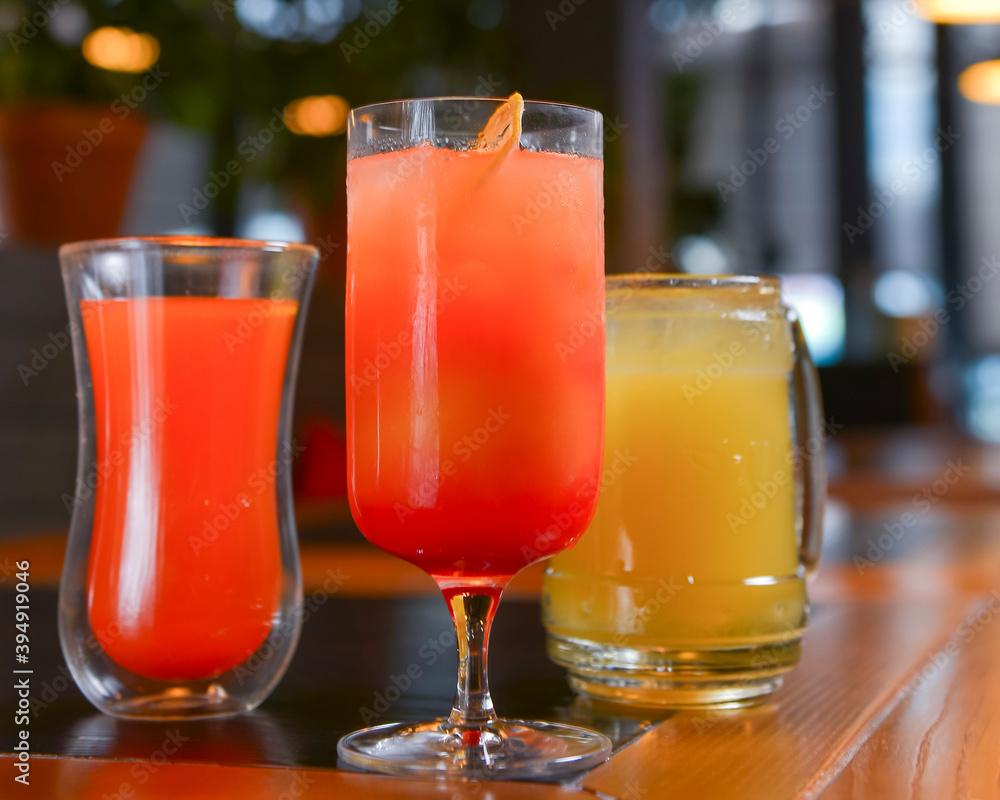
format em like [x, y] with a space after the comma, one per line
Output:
[679, 280]
[533, 104]
[183, 242]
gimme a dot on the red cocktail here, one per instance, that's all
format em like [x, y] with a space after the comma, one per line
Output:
[185, 570]
[181, 590]
[475, 372]
[475, 440]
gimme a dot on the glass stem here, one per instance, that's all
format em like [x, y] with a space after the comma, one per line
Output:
[473, 615]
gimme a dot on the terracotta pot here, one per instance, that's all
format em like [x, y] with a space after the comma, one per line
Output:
[66, 170]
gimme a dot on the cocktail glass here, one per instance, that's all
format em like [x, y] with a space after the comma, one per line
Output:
[181, 588]
[475, 383]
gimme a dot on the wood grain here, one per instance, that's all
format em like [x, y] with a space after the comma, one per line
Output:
[900, 463]
[95, 779]
[896, 697]
[943, 739]
[858, 659]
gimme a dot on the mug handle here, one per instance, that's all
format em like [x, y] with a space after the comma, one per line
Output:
[809, 448]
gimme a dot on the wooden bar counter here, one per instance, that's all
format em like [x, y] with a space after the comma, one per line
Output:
[897, 695]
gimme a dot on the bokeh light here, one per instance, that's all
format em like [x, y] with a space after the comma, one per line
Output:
[819, 300]
[980, 83]
[960, 12]
[905, 295]
[319, 115]
[121, 49]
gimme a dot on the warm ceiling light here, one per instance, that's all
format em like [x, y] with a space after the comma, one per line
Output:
[321, 115]
[959, 12]
[121, 49]
[980, 83]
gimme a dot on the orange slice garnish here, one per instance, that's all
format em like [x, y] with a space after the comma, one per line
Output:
[500, 137]
[503, 129]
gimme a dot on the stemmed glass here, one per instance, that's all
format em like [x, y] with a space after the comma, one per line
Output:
[475, 383]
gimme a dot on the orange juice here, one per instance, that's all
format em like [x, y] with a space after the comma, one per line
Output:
[184, 570]
[694, 546]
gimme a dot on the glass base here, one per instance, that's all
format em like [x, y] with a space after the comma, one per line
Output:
[675, 694]
[662, 678]
[178, 703]
[508, 750]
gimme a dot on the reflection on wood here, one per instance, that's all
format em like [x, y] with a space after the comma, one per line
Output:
[92, 779]
[858, 659]
[942, 741]
[895, 697]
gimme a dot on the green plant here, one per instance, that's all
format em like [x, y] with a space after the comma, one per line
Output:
[232, 81]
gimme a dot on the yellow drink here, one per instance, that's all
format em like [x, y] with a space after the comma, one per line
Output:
[691, 564]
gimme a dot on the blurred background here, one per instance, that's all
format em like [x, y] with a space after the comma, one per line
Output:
[849, 146]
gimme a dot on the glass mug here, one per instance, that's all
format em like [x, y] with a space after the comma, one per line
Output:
[181, 590]
[689, 587]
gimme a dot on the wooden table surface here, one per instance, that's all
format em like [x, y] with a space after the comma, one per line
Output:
[897, 696]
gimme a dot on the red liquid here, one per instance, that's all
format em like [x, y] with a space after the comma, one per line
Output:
[185, 568]
[475, 356]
